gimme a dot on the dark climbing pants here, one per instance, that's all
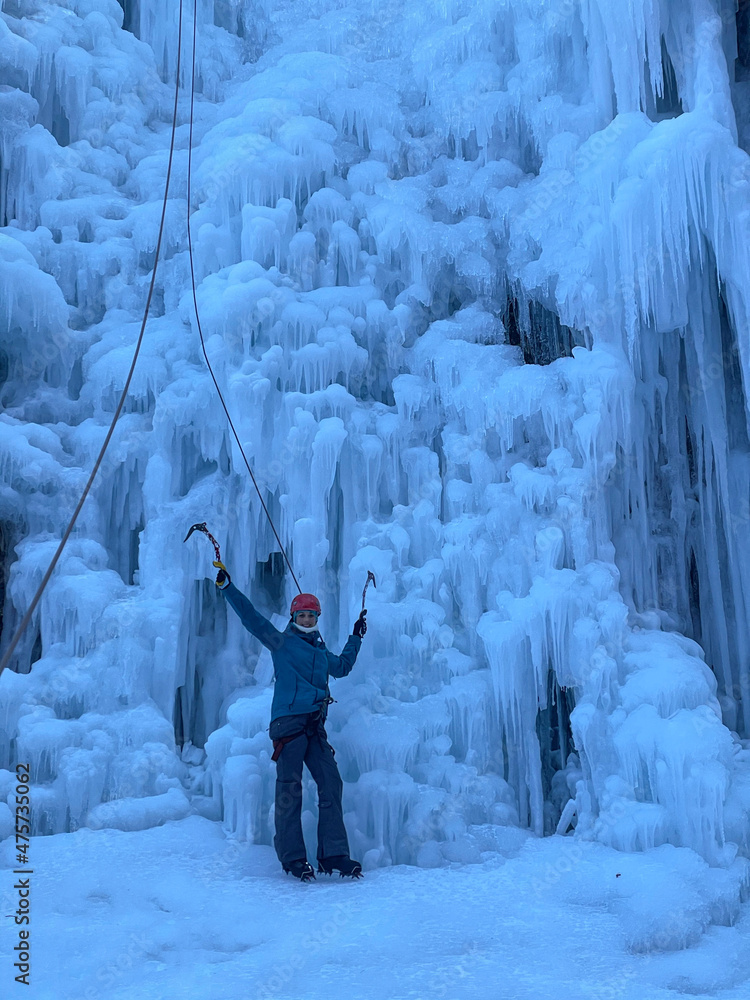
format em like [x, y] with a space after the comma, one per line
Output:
[310, 746]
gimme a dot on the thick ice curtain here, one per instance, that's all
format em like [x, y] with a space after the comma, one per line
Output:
[474, 279]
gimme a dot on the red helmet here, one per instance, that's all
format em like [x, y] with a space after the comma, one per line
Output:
[305, 602]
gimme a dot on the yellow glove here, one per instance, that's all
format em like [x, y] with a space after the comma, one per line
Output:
[223, 578]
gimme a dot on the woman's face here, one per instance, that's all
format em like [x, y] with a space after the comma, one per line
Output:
[306, 619]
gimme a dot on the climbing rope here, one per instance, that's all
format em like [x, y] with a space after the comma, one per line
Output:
[56, 558]
[195, 303]
[45, 580]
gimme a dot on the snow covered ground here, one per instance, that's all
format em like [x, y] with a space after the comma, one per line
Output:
[178, 912]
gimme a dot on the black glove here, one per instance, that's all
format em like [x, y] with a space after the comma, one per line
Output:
[360, 626]
[223, 579]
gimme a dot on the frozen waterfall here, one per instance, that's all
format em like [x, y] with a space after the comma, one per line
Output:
[475, 280]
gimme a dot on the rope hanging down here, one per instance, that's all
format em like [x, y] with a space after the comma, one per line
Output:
[55, 559]
[195, 303]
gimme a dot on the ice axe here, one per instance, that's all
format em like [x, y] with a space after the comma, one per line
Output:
[370, 579]
[204, 528]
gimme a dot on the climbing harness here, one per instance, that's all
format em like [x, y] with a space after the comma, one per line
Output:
[278, 745]
[310, 730]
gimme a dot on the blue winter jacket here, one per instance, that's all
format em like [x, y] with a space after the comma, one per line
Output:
[301, 667]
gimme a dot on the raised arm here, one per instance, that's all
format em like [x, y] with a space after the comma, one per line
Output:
[340, 666]
[253, 621]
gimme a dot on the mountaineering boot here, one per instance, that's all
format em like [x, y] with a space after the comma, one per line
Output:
[302, 870]
[341, 863]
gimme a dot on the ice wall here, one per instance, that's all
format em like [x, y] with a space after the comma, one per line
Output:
[474, 279]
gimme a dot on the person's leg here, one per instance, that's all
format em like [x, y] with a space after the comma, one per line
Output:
[332, 839]
[288, 840]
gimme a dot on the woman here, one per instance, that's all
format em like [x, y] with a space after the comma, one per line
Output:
[302, 666]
